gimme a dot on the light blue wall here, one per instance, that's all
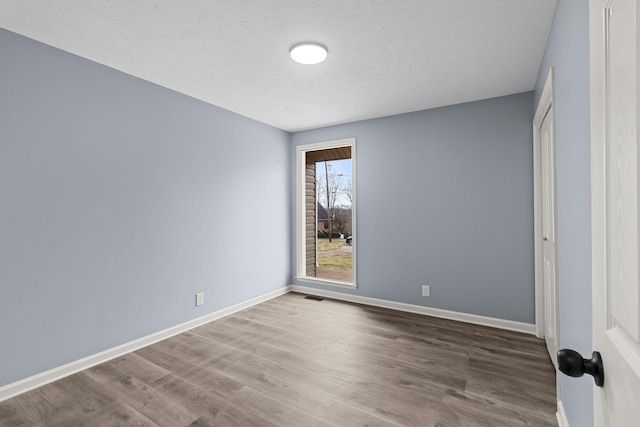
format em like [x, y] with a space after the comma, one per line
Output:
[568, 51]
[445, 198]
[119, 200]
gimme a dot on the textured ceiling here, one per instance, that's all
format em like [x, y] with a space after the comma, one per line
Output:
[385, 57]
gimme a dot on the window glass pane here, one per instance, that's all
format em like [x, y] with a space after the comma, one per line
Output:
[334, 256]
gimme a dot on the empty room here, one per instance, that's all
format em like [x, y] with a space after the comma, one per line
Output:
[319, 213]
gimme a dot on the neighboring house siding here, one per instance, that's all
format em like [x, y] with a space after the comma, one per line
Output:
[323, 218]
[310, 218]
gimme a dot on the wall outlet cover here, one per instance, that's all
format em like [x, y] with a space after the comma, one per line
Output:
[200, 298]
[426, 291]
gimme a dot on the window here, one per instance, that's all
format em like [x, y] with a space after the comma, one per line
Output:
[325, 224]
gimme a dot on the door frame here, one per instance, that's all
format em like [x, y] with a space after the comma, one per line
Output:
[545, 102]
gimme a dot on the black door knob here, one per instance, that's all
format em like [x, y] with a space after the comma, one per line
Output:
[571, 363]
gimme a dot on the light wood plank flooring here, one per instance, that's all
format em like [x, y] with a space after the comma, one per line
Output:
[293, 361]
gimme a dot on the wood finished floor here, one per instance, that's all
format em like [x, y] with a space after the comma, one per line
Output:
[293, 361]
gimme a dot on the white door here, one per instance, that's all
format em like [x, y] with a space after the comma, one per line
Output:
[548, 187]
[615, 196]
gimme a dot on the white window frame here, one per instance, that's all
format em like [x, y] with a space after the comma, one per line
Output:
[301, 254]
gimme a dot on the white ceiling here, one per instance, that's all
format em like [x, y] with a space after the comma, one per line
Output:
[385, 56]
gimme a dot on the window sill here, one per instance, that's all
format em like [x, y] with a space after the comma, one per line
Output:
[327, 282]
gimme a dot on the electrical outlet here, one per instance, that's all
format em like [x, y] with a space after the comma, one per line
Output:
[426, 291]
[200, 298]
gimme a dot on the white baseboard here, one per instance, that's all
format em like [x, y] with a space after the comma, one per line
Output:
[14, 389]
[19, 387]
[493, 322]
[561, 416]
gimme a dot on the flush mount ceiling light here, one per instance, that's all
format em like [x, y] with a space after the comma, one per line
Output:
[308, 53]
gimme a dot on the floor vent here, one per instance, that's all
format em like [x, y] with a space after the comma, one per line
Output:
[313, 297]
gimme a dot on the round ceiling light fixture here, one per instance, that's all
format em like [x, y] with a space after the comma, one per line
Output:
[308, 53]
